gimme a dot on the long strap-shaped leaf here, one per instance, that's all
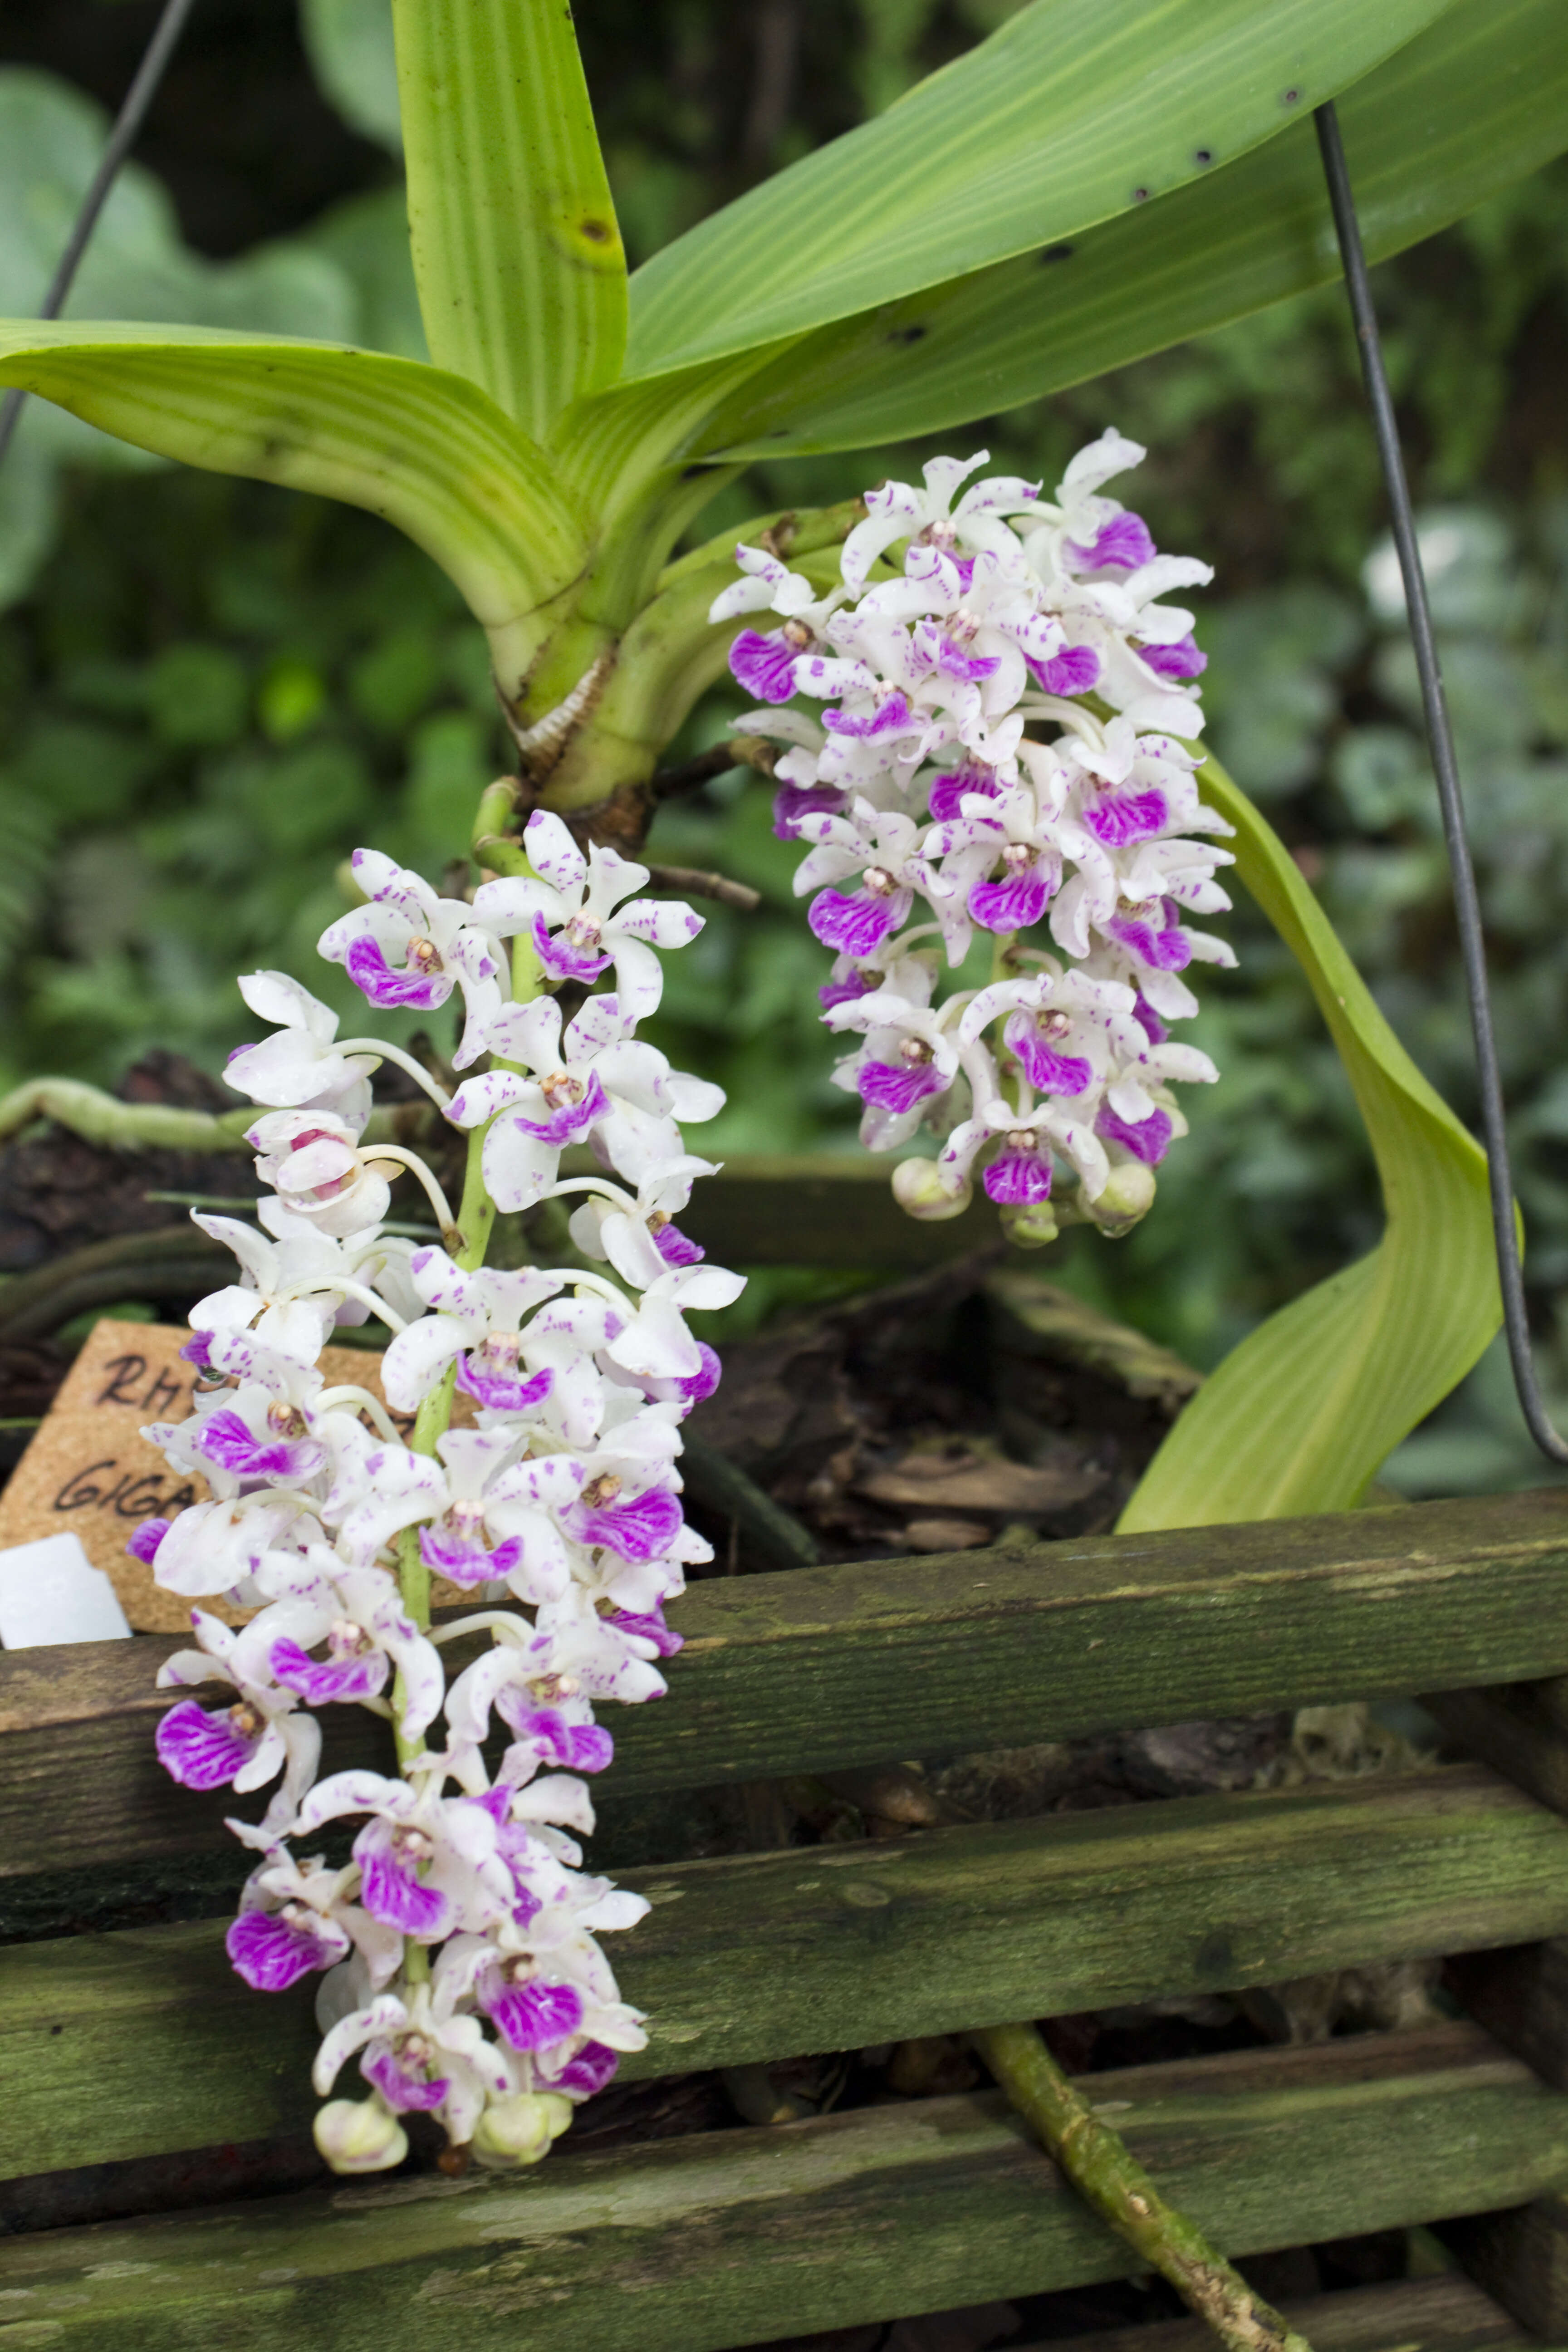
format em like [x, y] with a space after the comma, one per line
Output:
[1074, 112]
[1301, 1416]
[521, 278]
[422, 448]
[1472, 104]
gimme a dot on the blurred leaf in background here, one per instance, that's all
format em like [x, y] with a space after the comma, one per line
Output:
[210, 691]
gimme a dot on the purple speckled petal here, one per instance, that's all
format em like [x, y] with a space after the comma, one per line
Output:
[145, 1538]
[502, 1392]
[321, 1681]
[1147, 1140]
[201, 1750]
[403, 2087]
[1167, 948]
[898, 1086]
[677, 1248]
[1017, 1180]
[574, 1120]
[530, 2016]
[370, 972]
[1148, 1021]
[640, 1530]
[272, 1953]
[886, 719]
[853, 926]
[389, 1889]
[850, 990]
[1075, 670]
[1048, 1071]
[1117, 818]
[649, 1626]
[1124, 541]
[561, 960]
[577, 1747]
[793, 801]
[947, 791]
[1181, 660]
[952, 661]
[584, 2075]
[764, 665]
[700, 1384]
[226, 1440]
[1010, 905]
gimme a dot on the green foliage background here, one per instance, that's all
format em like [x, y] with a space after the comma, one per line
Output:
[210, 691]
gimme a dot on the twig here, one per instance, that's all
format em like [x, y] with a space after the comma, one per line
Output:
[1107, 2175]
[178, 1263]
[740, 752]
[694, 884]
[116, 1125]
[773, 1533]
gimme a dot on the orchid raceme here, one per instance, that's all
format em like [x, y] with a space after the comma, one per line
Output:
[457, 1949]
[959, 776]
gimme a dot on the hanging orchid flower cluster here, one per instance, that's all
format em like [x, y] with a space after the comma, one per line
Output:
[1005, 745]
[459, 1940]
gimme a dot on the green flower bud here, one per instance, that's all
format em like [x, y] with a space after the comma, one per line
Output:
[1128, 1197]
[361, 2136]
[919, 1191]
[519, 2129]
[1030, 1227]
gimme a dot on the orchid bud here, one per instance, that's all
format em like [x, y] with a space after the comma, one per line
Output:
[519, 2129]
[361, 2136]
[1128, 1197]
[919, 1191]
[1030, 1226]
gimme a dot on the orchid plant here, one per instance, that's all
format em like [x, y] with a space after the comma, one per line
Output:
[978, 707]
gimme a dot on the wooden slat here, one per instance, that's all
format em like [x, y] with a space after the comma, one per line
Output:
[694, 2244]
[817, 1668]
[1434, 2314]
[835, 1946]
[827, 1209]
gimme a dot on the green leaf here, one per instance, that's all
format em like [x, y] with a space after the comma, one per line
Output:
[1474, 103]
[1074, 112]
[522, 275]
[354, 60]
[423, 448]
[1303, 1412]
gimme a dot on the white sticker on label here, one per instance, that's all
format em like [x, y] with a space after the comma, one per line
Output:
[50, 1592]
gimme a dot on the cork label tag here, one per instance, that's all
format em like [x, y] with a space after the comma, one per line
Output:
[88, 1471]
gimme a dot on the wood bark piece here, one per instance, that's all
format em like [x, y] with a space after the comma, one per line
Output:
[1434, 2315]
[701, 2243]
[757, 1957]
[938, 1656]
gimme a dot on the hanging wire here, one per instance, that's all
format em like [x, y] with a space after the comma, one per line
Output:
[122, 139]
[1445, 766]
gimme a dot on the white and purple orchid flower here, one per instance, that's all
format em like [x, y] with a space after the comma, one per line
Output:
[571, 911]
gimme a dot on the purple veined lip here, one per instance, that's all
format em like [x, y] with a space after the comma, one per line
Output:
[391, 1891]
[226, 1440]
[271, 1951]
[677, 1248]
[463, 1562]
[764, 665]
[204, 1751]
[1117, 818]
[1148, 1021]
[794, 802]
[964, 567]
[1124, 541]
[1181, 659]
[370, 973]
[584, 2075]
[146, 1536]
[848, 991]
[856, 925]
[1147, 1140]
[321, 1681]
[502, 1392]
[576, 1746]
[197, 1350]
[886, 719]
[947, 792]
[640, 1530]
[1166, 949]
[898, 1086]
[648, 1625]
[700, 1384]
[403, 2088]
[561, 960]
[1013, 905]
[1075, 670]
[1048, 1072]
[1018, 1180]
[530, 2016]
[952, 661]
[573, 1120]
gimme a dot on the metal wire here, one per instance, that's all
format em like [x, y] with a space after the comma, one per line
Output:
[1445, 766]
[122, 139]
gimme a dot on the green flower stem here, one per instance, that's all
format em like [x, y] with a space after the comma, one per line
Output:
[1107, 2175]
[117, 1126]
